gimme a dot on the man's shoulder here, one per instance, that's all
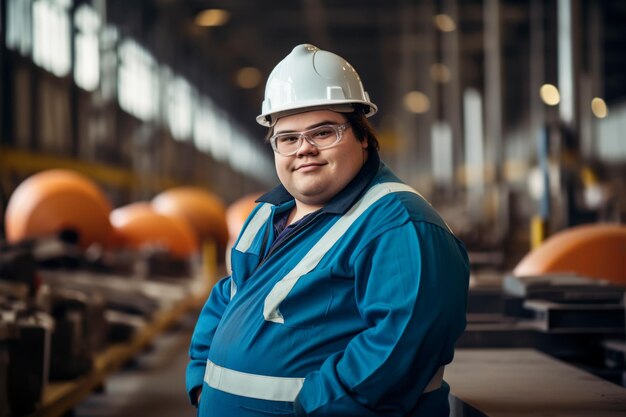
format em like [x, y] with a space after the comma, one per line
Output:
[401, 197]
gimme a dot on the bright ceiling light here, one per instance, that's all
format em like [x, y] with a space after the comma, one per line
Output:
[444, 23]
[248, 77]
[550, 94]
[440, 73]
[416, 102]
[212, 17]
[599, 108]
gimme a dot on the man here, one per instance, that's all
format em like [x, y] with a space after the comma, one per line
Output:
[347, 291]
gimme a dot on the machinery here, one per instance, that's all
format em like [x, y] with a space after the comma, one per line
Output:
[77, 276]
[565, 298]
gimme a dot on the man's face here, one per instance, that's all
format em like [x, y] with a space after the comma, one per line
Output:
[313, 176]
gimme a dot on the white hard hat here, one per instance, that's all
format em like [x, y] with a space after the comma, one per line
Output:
[310, 78]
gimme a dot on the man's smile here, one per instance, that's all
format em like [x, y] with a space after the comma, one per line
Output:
[309, 166]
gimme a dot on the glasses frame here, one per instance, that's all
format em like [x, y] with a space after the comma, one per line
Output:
[304, 135]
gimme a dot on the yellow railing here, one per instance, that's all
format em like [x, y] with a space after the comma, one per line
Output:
[25, 163]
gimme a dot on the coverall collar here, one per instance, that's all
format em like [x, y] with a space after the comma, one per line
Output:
[341, 202]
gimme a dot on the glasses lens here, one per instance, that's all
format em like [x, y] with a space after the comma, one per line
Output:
[287, 143]
[323, 136]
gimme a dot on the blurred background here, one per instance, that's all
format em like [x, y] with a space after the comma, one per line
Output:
[130, 156]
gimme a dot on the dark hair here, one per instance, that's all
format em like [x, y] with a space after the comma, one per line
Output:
[362, 128]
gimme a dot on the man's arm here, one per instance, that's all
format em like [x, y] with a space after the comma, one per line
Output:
[411, 289]
[203, 335]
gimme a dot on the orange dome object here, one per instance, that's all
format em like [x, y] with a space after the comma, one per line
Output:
[138, 225]
[56, 200]
[595, 251]
[238, 212]
[204, 211]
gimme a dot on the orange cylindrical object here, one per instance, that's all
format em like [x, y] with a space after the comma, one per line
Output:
[138, 226]
[237, 213]
[56, 200]
[204, 211]
[595, 251]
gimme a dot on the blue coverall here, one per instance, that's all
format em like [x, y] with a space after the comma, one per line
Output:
[353, 314]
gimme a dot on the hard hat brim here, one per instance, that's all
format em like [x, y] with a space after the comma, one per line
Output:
[268, 119]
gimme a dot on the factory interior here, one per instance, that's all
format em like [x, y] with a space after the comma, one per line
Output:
[130, 158]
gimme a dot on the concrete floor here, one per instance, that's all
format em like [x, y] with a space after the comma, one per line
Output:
[153, 385]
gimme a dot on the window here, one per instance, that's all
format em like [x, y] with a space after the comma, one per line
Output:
[179, 103]
[87, 48]
[19, 35]
[138, 83]
[51, 36]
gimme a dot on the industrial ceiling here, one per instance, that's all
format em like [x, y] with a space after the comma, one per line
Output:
[386, 40]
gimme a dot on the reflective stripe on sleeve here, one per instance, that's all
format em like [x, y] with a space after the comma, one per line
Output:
[250, 385]
[255, 224]
[317, 252]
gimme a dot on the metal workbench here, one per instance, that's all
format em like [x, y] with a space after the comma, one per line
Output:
[526, 382]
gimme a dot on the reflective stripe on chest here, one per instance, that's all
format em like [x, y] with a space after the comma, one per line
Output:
[248, 235]
[255, 224]
[282, 288]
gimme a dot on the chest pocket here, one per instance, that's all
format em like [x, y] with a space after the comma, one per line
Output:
[309, 300]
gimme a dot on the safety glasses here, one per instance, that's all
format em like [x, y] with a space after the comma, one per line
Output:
[321, 137]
